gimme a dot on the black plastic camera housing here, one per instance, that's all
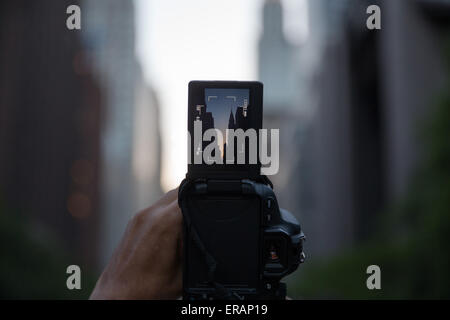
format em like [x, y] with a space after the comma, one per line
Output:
[237, 242]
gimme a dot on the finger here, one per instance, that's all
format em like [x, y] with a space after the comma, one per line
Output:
[170, 196]
[173, 212]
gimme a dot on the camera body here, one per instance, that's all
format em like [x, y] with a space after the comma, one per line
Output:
[241, 249]
[237, 242]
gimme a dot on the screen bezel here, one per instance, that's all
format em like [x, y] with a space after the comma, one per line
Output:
[197, 96]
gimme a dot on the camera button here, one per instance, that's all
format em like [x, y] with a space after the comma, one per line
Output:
[269, 203]
[302, 257]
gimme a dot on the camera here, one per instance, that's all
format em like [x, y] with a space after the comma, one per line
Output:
[237, 242]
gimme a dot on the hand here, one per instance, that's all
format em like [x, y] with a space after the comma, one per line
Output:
[147, 262]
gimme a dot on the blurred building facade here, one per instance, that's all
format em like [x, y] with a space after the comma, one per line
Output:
[130, 177]
[372, 89]
[50, 127]
[79, 129]
[279, 70]
[362, 95]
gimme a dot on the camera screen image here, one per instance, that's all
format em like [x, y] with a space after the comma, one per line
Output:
[224, 109]
[228, 108]
[223, 121]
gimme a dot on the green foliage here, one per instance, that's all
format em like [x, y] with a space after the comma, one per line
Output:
[32, 264]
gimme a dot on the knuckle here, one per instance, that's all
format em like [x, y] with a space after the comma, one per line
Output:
[140, 218]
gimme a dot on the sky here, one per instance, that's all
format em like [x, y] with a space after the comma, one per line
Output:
[221, 101]
[179, 41]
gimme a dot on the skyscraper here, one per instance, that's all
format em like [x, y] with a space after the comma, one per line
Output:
[279, 70]
[51, 107]
[131, 119]
[231, 123]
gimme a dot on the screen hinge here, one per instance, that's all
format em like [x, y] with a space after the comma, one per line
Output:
[224, 186]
